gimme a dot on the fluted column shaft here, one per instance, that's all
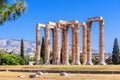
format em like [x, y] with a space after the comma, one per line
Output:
[66, 49]
[56, 59]
[37, 45]
[101, 43]
[77, 44]
[53, 50]
[47, 46]
[89, 44]
[84, 49]
[73, 46]
[63, 45]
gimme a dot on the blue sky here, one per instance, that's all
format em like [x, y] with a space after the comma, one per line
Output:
[42, 11]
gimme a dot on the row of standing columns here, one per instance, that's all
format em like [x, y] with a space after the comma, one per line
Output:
[57, 52]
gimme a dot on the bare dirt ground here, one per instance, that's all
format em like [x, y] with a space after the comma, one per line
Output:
[56, 76]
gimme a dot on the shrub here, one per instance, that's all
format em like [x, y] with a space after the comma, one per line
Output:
[12, 59]
[95, 60]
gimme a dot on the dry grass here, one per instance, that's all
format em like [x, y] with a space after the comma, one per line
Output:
[64, 67]
[55, 76]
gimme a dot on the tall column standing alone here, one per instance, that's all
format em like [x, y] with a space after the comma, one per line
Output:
[47, 46]
[37, 45]
[101, 43]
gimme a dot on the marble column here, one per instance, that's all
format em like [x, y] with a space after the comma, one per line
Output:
[84, 46]
[77, 45]
[63, 45]
[53, 50]
[101, 43]
[89, 44]
[37, 55]
[47, 46]
[73, 46]
[66, 49]
[57, 46]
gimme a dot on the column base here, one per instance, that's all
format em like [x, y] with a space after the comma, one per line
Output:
[73, 62]
[101, 63]
[37, 62]
[89, 63]
[84, 63]
[47, 63]
[56, 63]
[77, 63]
[66, 63]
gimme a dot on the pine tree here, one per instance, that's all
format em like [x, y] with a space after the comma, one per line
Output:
[11, 11]
[42, 49]
[115, 53]
[22, 49]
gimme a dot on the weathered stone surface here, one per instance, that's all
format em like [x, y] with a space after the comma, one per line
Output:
[77, 45]
[73, 45]
[63, 74]
[33, 76]
[89, 44]
[66, 49]
[86, 46]
[53, 45]
[56, 50]
[101, 43]
[47, 46]
[63, 46]
[21, 76]
[39, 73]
[37, 45]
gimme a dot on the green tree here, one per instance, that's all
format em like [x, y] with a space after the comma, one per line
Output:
[22, 49]
[109, 60]
[115, 53]
[11, 10]
[2, 1]
[42, 49]
[95, 61]
[12, 59]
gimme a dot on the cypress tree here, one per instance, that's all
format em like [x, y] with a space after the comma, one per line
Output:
[22, 49]
[115, 53]
[42, 49]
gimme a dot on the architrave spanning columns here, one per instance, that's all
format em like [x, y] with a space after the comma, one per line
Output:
[101, 41]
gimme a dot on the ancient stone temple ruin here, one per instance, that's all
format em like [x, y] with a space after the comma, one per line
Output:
[56, 49]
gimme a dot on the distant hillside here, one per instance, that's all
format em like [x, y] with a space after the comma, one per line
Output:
[14, 46]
